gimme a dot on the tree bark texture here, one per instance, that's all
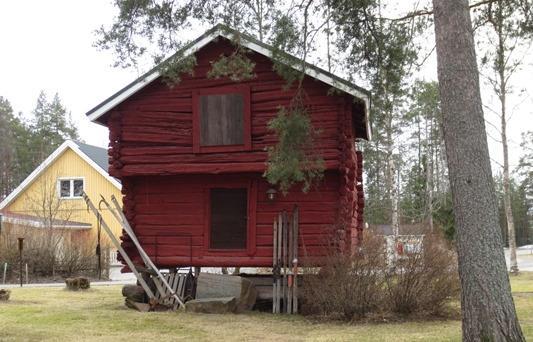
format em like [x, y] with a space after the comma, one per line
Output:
[488, 310]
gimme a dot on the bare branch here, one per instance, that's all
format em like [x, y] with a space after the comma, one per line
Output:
[426, 11]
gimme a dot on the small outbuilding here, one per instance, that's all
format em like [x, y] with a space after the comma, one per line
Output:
[191, 159]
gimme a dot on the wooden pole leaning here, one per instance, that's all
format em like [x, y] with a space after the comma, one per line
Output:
[274, 267]
[295, 219]
[290, 250]
[125, 225]
[121, 250]
[146, 258]
[284, 257]
[278, 258]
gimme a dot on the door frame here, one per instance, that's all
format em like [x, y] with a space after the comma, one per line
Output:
[251, 186]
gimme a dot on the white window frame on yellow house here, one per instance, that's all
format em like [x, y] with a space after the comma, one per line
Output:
[71, 187]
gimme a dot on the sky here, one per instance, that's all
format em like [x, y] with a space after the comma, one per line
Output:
[48, 45]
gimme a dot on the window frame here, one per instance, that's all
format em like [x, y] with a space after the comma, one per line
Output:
[250, 250]
[71, 180]
[244, 90]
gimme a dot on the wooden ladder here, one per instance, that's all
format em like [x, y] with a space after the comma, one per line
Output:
[164, 289]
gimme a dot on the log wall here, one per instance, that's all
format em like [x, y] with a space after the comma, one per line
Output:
[169, 215]
[151, 152]
[151, 133]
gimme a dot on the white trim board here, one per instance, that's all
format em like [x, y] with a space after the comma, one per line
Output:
[248, 42]
[35, 222]
[49, 161]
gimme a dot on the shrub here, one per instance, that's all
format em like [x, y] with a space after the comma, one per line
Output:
[372, 283]
[347, 286]
[422, 281]
[49, 253]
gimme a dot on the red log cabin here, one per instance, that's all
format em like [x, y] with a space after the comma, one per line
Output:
[193, 188]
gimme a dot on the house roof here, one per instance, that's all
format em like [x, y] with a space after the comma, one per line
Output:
[249, 42]
[39, 222]
[94, 156]
[97, 154]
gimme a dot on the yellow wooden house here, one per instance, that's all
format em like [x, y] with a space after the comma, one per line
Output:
[51, 196]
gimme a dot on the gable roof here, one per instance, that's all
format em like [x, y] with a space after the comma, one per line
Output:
[97, 154]
[249, 42]
[96, 157]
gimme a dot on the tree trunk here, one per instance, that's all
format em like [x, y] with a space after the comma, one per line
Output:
[394, 198]
[506, 189]
[502, 77]
[391, 175]
[429, 176]
[488, 311]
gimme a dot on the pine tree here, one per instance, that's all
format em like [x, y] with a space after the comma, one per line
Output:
[51, 125]
[16, 155]
[488, 310]
[427, 180]
[7, 148]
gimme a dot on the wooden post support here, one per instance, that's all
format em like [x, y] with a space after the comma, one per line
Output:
[114, 240]
[21, 247]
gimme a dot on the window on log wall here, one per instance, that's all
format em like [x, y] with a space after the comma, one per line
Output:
[222, 119]
[229, 222]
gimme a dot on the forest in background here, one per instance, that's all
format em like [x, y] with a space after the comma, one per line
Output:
[421, 171]
[406, 176]
[27, 140]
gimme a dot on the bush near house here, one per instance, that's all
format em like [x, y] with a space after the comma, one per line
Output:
[367, 284]
[48, 253]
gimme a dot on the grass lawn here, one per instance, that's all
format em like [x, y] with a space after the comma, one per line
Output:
[99, 314]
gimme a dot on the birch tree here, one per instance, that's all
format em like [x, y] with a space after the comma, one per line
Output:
[505, 45]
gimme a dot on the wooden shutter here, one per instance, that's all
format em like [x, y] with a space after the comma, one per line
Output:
[221, 120]
[229, 221]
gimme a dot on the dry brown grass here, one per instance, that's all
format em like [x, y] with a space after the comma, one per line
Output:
[53, 314]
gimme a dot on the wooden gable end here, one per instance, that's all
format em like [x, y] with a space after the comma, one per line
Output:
[158, 130]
